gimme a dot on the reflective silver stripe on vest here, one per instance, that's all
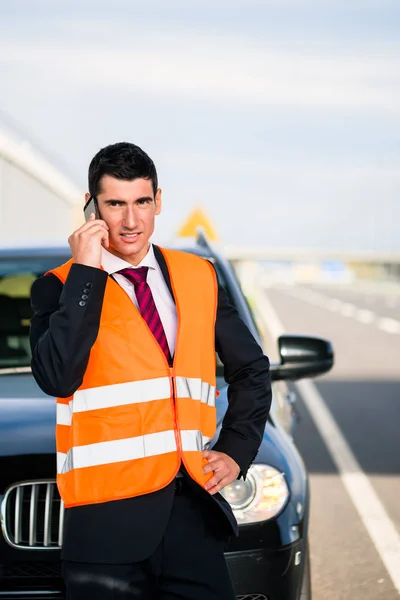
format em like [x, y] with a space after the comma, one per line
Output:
[151, 444]
[63, 414]
[103, 453]
[133, 392]
[61, 456]
[120, 394]
[193, 440]
[196, 389]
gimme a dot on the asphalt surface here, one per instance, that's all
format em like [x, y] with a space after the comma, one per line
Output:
[363, 394]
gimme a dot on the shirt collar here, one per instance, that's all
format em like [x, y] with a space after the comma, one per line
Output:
[111, 263]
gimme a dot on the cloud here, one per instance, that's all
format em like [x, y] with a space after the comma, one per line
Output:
[218, 69]
[251, 166]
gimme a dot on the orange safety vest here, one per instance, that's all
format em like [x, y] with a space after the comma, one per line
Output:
[133, 420]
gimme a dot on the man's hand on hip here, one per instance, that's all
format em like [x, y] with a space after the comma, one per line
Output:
[225, 470]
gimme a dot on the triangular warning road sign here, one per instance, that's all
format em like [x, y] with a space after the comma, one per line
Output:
[198, 218]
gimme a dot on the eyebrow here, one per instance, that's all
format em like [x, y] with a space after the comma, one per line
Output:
[124, 202]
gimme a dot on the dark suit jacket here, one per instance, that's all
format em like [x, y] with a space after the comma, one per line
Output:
[63, 329]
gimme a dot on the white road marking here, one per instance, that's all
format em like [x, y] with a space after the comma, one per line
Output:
[348, 310]
[334, 304]
[306, 295]
[365, 315]
[377, 522]
[389, 325]
[392, 301]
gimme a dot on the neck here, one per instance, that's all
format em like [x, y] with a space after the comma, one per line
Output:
[133, 259]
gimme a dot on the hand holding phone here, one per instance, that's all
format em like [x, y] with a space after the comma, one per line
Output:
[86, 242]
[91, 207]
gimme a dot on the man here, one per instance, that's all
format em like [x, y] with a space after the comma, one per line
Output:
[124, 335]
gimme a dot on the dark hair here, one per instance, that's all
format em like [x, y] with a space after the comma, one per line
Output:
[122, 161]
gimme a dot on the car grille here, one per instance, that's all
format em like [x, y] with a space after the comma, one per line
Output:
[31, 569]
[32, 515]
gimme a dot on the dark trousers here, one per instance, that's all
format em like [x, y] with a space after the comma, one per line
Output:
[188, 564]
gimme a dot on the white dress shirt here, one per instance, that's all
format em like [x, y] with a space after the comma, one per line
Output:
[159, 289]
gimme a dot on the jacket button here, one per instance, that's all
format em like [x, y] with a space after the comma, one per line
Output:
[89, 285]
[86, 291]
[82, 303]
[85, 297]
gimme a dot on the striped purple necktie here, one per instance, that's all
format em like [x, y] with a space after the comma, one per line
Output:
[147, 306]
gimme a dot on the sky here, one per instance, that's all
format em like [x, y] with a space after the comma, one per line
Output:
[281, 118]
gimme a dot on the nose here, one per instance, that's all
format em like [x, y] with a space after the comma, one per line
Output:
[130, 219]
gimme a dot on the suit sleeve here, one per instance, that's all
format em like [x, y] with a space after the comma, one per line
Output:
[246, 371]
[64, 327]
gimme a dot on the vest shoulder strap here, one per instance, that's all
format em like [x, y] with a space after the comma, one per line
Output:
[62, 271]
[186, 260]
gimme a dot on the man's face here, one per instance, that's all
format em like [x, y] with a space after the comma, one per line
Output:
[129, 209]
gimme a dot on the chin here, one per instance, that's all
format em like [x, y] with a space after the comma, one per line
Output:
[128, 249]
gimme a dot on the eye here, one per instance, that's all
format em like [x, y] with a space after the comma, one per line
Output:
[144, 201]
[115, 203]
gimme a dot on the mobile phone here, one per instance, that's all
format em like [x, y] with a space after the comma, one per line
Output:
[90, 207]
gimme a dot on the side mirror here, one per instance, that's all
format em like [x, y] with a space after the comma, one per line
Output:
[302, 356]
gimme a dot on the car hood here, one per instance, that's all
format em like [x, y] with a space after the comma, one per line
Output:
[27, 417]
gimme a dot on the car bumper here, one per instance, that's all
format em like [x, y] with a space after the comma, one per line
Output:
[267, 574]
[256, 574]
[31, 579]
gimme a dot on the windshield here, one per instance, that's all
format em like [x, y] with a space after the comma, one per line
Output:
[16, 278]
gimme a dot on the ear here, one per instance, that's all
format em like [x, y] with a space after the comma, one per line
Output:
[158, 201]
[87, 196]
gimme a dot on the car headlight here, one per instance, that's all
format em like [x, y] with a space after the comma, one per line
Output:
[262, 496]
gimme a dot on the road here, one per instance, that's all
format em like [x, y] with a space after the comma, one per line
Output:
[362, 393]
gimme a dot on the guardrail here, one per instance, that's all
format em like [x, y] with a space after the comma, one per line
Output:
[296, 264]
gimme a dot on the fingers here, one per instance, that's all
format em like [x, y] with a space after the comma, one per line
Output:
[99, 229]
[213, 482]
[95, 228]
[208, 469]
[105, 238]
[213, 486]
[221, 473]
[211, 455]
[86, 242]
[224, 469]
[216, 459]
[90, 225]
[216, 464]
[92, 221]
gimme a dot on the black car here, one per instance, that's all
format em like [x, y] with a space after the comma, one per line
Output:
[270, 558]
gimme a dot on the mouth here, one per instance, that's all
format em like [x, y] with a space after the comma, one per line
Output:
[130, 237]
